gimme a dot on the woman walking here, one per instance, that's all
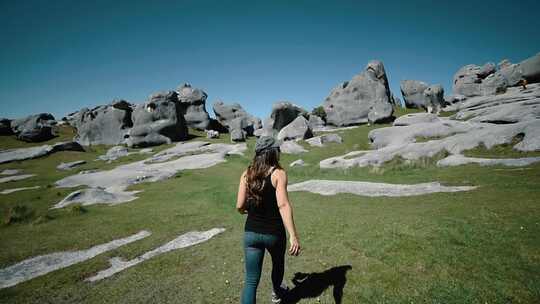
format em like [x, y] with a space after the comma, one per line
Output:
[262, 194]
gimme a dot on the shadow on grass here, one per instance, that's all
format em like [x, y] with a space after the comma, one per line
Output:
[311, 285]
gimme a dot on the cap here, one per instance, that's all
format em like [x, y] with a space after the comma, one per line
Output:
[265, 142]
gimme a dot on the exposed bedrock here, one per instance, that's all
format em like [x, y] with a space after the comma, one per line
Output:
[34, 128]
[298, 129]
[236, 120]
[457, 137]
[159, 121]
[193, 105]
[365, 98]
[283, 113]
[106, 124]
[7, 156]
[333, 187]
[110, 185]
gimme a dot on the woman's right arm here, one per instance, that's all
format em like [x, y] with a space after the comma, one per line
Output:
[285, 209]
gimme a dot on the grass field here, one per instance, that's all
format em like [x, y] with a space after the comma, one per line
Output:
[481, 246]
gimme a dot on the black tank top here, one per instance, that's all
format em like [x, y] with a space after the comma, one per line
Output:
[265, 217]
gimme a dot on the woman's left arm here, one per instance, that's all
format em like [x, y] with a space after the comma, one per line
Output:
[241, 198]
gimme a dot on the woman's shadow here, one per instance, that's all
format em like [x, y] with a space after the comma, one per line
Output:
[311, 285]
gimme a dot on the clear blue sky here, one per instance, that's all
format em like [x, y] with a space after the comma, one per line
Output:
[59, 56]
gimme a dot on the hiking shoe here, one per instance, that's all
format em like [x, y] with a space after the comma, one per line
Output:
[276, 298]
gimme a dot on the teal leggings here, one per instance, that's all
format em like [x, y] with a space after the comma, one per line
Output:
[254, 247]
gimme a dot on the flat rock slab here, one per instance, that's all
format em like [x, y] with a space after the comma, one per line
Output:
[319, 141]
[457, 160]
[10, 155]
[291, 147]
[298, 163]
[70, 165]
[13, 178]
[92, 196]
[332, 128]
[112, 183]
[8, 191]
[10, 172]
[333, 187]
[183, 241]
[43, 264]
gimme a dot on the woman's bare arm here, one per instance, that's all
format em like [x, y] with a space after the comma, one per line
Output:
[241, 198]
[286, 211]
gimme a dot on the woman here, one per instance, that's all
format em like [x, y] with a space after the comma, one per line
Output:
[262, 194]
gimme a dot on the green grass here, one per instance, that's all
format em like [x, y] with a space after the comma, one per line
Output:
[481, 246]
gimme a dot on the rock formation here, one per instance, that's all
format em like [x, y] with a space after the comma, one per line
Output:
[106, 124]
[159, 121]
[237, 121]
[352, 101]
[34, 128]
[297, 129]
[5, 126]
[283, 113]
[193, 105]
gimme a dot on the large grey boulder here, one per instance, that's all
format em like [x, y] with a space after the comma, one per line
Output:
[315, 122]
[5, 126]
[319, 141]
[284, 112]
[352, 101]
[159, 121]
[103, 125]
[413, 93]
[291, 147]
[495, 83]
[237, 129]
[434, 96]
[512, 74]
[467, 81]
[530, 68]
[297, 129]
[114, 153]
[34, 128]
[193, 105]
[225, 114]
[487, 69]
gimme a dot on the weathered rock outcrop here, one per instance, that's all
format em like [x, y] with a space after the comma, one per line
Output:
[283, 113]
[236, 120]
[34, 128]
[413, 93]
[297, 129]
[193, 105]
[7, 156]
[106, 124]
[319, 141]
[352, 101]
[530, 68]
[434, 98]
[159, 121]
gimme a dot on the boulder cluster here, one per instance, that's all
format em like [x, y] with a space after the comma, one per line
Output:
[166, 116]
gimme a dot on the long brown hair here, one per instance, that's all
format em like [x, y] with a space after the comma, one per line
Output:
[257, 172]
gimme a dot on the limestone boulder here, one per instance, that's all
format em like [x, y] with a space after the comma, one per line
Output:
[512, 74]
[434, 98]
[297, 129]
[226, 113]
[315, 122]
[34, 128]
[467, 81]
[291, 147]
[192, 101]
[495, 83]
[103, 125]
[159, 121]
[321, 140]
[237, 129]
[530, 68]
[413, 93]
[352, 101]
[284, 112]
